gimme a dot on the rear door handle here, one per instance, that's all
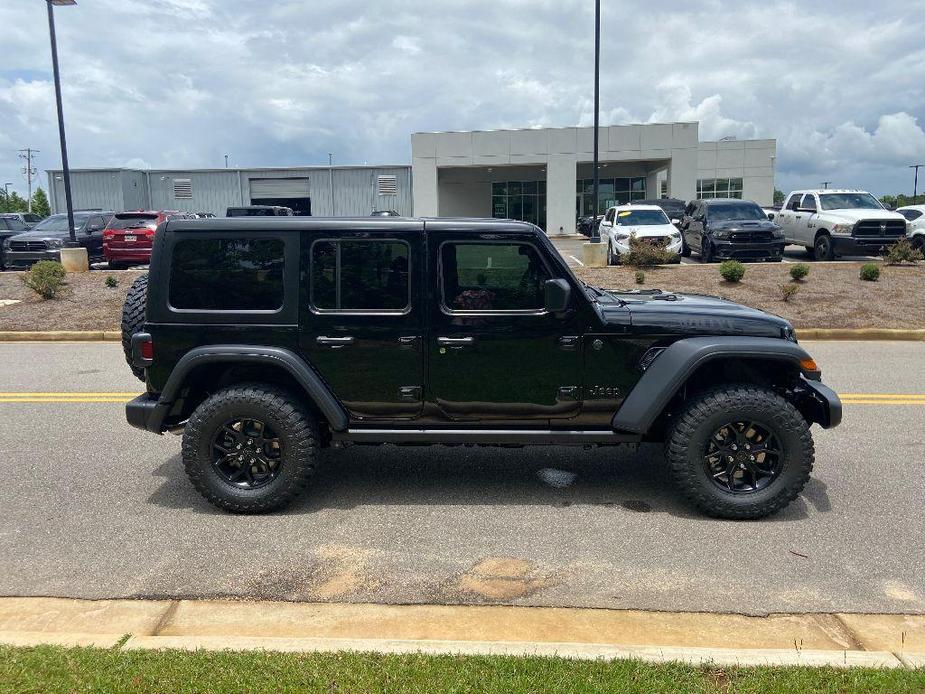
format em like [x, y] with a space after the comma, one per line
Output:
[455, 341]
[334, 341]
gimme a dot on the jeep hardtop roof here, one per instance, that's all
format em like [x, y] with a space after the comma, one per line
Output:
[256, 224]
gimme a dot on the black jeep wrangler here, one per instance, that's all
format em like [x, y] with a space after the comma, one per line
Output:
[266, 339]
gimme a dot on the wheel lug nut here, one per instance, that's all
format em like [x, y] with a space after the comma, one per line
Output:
[751, 457]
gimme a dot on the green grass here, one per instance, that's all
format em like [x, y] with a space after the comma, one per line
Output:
[54, 669]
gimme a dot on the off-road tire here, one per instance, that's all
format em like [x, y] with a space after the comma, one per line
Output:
[686, 440]
[297, 431]
[133, 319]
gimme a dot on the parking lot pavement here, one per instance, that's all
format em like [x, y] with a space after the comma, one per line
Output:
[570, 248]
[95, 509]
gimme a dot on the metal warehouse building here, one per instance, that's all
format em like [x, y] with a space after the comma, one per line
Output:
[542, 175]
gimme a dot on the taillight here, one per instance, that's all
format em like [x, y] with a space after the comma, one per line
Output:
[108, 234]
[147, 349]
[142, 350]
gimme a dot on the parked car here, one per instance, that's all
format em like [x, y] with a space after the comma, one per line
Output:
[30, 219]
[203, 215]
[673, 207]
[45, 240]
[728, 228]
[384, 213]
[128, 237]
[259, 211]
[10, 225]
[586, 225]
[648, 223]
[264, 342]
[831, 222]
[915, 218]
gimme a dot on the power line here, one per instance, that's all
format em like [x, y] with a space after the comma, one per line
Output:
[28, 169]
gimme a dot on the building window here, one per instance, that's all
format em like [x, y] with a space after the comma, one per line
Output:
[708, 188]
[360, 276]
[523, 200]
[483, 277]
[611, 191]
[227, 275]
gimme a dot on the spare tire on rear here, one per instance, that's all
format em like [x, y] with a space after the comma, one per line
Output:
[133, 319]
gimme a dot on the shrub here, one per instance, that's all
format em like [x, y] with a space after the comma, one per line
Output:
[46, 278]
[870, 272]
[111, 282]
[799, 271]
[645, 254]
[902, 252]
[788, 290]
[640, 277]
[732, 270]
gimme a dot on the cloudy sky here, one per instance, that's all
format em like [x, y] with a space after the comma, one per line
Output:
[179, 83]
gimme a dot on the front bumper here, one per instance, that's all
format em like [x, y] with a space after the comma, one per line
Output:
[743, 250]
[820, 404]
[147, 412]
[27, 259]
[862, 245]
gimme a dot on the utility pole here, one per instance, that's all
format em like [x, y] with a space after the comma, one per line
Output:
[28, 169]
[595, 230]
[331, 180]
[825, 184]
[915, 186]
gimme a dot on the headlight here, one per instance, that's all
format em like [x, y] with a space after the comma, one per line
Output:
[777, 234]
[842, 228]
[54, 243]
[623, 238]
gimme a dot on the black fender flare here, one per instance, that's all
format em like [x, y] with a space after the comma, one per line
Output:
[671, 369]
[302, 373]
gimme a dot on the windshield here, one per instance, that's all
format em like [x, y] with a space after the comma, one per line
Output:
[58, 222]
[14, 223]
[736, 212]
[849, 201]
[134, 221]
[628, 218]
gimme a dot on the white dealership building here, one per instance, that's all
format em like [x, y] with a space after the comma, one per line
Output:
[542, 175]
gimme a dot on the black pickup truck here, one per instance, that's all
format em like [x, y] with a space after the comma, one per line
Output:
[264, 339]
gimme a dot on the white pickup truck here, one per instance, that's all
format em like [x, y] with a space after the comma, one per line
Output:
[832, 222]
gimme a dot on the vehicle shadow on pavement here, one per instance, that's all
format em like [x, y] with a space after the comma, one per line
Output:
[620, 478]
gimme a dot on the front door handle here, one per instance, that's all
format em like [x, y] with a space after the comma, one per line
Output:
[334, 341]
[455, 341]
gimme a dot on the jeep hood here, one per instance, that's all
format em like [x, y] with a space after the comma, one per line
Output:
[688, 314]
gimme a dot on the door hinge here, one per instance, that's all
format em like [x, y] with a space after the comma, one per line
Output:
[409, 393]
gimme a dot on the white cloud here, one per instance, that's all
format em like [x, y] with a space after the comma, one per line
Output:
[182, 82]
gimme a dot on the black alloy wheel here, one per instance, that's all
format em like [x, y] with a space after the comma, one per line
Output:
[742, 457]
[246, 453]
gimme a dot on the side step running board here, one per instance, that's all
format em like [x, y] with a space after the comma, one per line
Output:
[491, 436]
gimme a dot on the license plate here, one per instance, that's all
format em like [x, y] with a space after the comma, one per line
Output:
[130, 237]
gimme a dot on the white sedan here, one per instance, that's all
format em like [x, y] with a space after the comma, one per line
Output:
[915, 227]
[645, 222]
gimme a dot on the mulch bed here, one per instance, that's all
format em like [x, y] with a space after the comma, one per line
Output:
[831, 296]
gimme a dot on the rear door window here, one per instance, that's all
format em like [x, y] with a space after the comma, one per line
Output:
[227, 274]
[809, 202]
[358, 276]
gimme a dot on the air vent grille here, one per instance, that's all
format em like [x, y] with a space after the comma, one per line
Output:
[388, 185]
[182, 188]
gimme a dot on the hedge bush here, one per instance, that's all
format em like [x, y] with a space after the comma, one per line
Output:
[645, 254]
[902, 252]
[732, 270]
[788, 290]
[46, 278]
[640, 277]
[799, 271]
[870, 272]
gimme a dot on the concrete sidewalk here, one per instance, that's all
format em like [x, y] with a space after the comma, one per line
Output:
[782, 639]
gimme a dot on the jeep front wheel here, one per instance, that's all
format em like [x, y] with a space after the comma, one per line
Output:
[740, 452]
[250, 449]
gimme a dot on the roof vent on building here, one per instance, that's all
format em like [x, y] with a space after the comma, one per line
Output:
[182, 188]
[388, 185]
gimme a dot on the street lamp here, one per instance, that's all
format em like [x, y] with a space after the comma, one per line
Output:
[915, 186]
[595, 231]
[54, 63]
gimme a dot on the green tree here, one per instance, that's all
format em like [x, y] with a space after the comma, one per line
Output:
[40, 204]
[15, 203]
[779, 197]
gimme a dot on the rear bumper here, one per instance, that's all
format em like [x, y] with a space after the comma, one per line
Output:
[128, 255]
[765, 250]
[147, 412]
[860, 245]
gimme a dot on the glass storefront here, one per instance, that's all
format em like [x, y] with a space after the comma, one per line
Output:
[524, 200]
[611, 191]
[708, 188]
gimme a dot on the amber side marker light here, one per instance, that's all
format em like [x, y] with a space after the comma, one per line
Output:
[808, 365]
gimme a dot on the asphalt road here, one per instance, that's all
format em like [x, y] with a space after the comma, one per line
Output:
[93, 508]
[570, 248]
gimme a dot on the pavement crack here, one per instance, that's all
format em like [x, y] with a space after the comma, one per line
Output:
[165, 618]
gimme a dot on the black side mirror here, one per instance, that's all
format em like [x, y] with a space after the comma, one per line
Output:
[558, 295]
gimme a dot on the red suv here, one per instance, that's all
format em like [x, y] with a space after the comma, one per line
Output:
[128, 237]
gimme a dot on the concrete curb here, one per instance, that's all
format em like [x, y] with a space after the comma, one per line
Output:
[844, 334]
[724, 639]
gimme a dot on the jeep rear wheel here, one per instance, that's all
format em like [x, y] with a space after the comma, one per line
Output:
[133, 319]
[740, 451]
[250, 449]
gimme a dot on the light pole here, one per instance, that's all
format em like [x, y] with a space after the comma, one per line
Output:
[595, 231]
[6, 194]
[825, 184]
[54, 63]
[915, 186]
